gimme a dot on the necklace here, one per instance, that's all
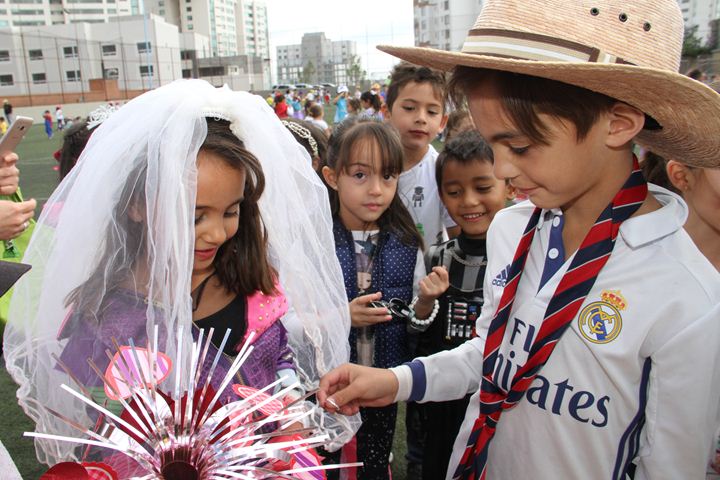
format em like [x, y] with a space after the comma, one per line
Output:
[480, 263]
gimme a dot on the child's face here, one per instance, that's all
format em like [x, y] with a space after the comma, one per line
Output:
[418, 115]
[552, 176]
[473, 195]
[363, 190]
[217, 211]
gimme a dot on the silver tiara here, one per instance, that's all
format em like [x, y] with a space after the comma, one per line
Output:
[303, 133]
[99, 115]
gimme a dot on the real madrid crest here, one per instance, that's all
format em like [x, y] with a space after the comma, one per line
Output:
[600, 322]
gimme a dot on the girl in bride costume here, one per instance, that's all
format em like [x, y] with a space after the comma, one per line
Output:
[189, 208]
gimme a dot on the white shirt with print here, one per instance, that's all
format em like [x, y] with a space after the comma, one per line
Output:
[419, 193]
[645, 390]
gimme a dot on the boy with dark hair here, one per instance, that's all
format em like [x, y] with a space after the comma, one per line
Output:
[415, 106]
[597, 349]
[416, 101]
[472, 195]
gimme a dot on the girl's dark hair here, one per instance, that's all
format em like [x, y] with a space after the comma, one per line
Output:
[525, 97]
[350, 135]
[653, 168]
[74, 141]
[279, 98]
[241, 263]
[372, 99]
[465, 147]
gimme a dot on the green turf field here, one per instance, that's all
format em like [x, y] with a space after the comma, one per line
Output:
[38, 180]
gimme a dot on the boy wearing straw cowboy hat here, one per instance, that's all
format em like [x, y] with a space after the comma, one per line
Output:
[597, 346]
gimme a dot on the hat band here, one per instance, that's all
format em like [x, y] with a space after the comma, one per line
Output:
[533, 46]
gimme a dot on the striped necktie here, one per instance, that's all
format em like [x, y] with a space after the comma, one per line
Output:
[575, 285]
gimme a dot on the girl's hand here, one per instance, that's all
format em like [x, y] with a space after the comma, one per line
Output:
[348, 387]
[434, 285]
[363, 315]
[431, 287]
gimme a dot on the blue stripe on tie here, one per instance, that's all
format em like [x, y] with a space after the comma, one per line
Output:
[630, 439]
[417, 368]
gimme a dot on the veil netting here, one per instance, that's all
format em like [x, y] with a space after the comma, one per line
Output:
[151, 145]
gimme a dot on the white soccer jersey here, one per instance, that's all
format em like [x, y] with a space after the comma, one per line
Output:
[635, 377]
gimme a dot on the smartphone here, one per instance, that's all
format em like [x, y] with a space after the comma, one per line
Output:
[14, 134]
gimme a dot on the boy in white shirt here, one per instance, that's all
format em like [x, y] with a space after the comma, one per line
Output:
[597, 350]
[416, 108]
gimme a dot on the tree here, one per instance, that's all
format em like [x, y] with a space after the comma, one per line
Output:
[692, 44]
[354, 70]
[308, 73]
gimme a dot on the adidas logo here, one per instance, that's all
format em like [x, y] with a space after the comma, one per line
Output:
[502, 277]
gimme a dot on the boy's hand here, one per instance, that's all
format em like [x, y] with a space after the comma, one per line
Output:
[431, 287]
[363, 315]
[348, 387]
[9, 174]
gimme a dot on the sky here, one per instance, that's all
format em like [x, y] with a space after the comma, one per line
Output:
[367, 22]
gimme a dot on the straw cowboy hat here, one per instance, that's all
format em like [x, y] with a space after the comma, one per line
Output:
[628, 50]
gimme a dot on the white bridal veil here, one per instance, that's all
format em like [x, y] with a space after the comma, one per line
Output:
[151, 145]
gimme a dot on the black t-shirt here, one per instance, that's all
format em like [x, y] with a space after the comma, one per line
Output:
[232, 317]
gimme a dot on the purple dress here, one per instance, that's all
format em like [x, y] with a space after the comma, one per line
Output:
[124, 317]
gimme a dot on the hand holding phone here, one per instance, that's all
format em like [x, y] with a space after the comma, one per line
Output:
[14, 134]
[9, 174]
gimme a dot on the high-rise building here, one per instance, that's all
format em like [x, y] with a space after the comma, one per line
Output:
[53, 12]
[444, 24]
[700, 13]
[234, 27]
[316, 59]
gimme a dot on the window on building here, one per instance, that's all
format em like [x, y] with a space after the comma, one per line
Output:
[109, 50]
[39, 78]
[447, 5]
[6, 81]
[72, 75]
[144, 47]
[111, 73]
[70, 52]
[146, 70]
[187, 73]
[189, 27]
[212, 71]
[4, 55]
[35, 54]
[189, 9]
[189, 17]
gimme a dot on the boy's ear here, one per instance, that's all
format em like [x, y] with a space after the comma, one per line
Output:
[510, 192]
[443, 122]
[679, 175]
[624, 123]
[330, 177]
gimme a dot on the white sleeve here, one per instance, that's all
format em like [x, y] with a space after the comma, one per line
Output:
[452, 374]
[455, 373]
[420, 272]
[683, 394]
